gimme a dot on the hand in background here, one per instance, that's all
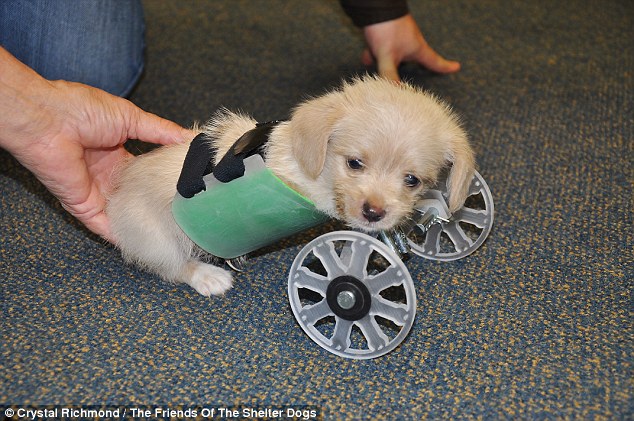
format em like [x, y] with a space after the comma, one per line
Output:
[393, 42]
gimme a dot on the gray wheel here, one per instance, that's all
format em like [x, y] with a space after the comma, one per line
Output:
[450, 237]
[352, 295]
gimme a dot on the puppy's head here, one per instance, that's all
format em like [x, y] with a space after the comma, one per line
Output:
[376, 146]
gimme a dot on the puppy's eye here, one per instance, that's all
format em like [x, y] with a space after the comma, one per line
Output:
[411, 180]
[355, 164]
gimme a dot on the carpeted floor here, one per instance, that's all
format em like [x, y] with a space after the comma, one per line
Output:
[537, 324]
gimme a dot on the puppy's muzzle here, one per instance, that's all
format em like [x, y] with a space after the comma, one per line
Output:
[372, 213]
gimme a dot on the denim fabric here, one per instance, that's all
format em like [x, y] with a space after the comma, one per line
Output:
[96, 42]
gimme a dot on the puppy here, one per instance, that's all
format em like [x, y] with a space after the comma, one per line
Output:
[362, 154]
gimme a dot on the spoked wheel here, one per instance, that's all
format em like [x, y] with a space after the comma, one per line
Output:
[449, 237]
[352, 295]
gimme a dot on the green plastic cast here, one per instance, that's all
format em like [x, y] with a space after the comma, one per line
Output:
[232, 219]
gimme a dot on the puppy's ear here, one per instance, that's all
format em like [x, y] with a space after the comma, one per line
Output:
[312, 125]
[461, 174]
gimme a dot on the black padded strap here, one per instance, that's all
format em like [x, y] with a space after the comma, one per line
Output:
[198, 163]
[231, 166]
[200, 158]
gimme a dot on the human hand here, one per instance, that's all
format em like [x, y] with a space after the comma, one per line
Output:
[393, 42]
[71, 137]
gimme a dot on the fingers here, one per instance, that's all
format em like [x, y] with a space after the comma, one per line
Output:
[99, 224]
[387, 66]
[149, 127]
[388, 69]
[92, 215]
[366, 57]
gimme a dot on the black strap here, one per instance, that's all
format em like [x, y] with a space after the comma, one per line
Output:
[231, 166]
[198, 163]
[200, 157]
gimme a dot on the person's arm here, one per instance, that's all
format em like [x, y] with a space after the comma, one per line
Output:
[71, 136]
[393, 37]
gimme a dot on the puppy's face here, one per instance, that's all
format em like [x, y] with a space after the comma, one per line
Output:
[376, 172]
[374, 147]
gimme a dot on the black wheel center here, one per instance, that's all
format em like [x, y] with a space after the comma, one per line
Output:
[348, 298]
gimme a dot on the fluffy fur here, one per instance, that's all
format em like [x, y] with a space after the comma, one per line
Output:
[363, 154]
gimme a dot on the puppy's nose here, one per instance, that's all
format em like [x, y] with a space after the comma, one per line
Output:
[372, 213]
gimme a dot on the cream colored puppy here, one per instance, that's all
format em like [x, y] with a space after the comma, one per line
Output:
[363, 154]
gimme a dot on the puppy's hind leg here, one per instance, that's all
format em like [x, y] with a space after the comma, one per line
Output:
[177, 261]
[171, 255]
[207, 279]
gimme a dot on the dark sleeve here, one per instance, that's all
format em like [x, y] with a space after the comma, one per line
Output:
[368, 12]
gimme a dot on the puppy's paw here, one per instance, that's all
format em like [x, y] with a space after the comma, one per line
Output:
[209, 280]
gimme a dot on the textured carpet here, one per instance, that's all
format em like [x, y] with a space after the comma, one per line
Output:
[537, 324]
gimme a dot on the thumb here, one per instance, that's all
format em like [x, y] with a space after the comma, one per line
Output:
[430, 59]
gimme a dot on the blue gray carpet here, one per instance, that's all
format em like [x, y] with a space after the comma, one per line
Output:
[537, 324]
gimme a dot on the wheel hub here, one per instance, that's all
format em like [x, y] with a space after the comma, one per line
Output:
[348, 298]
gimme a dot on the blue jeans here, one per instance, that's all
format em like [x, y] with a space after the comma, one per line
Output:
[96, 42]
